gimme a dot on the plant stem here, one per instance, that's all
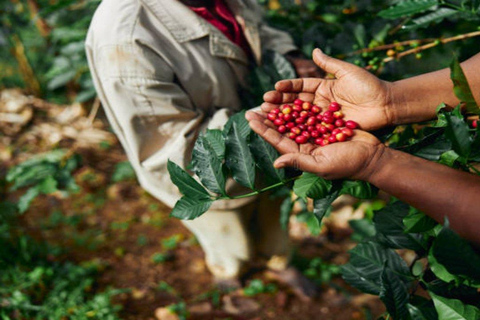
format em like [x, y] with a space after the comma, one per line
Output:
[256, 192]
[473, 168]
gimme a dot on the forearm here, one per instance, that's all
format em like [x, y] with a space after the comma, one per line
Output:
[435, 189]
[416, 99]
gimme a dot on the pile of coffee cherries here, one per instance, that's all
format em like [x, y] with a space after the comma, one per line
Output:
[304, 122]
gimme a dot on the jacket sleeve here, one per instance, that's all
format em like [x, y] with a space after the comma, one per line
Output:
[152, 116]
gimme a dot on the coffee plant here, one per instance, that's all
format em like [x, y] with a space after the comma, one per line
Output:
[446, 267]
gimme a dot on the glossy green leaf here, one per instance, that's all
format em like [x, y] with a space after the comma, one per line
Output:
[394, 294]
[313, 224]
[359, 189]
[406, 8]
[187, 185]
[439, 270]
[208, 167]
[311, 185]
[265, 155]
[217, 142]
[431, 17]
[457, 132]
[433, 150]
[421, 308]
[48, 185]
[238, 158]
[27, 198]
[417, 221]
[456, 254]
[366, 264]
[461, 87]
[363, 228]
[285, 210]
[189, 208]
[322, 206]
[391, 230]
[453, 309]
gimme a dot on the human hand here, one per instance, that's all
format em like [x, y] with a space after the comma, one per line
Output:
[355, 159]
[306, 68]
[364, 98]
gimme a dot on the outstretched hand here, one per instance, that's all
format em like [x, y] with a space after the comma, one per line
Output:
[354, 159]
[364, 98]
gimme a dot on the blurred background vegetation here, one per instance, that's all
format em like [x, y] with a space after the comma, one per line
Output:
[42, 52]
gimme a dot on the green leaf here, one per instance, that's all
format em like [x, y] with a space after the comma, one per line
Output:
[187, 185]
[239, 159]
[123, 172]
[216, 141]
[208, 167]
[448, 158]
[285, 210]
[461, 88]
[457, 132]
[61, 80]
[394, 294]
[421, 308]
[434, 150]
[363, 228]
[406, 8]
[417, 221]
[359, 189]
[391, 230]
[431, 17]
[188, 208]
[367, 261]
[48, 185]
[453, 309]
[322, 206]
[27, 198]
[313, 224]
[456, 254]
[311, 185]
[265, 155]
[439, 270]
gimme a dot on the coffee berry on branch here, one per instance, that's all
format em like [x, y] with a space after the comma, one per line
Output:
[304, 122]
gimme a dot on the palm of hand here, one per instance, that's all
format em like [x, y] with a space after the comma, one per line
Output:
[339, 160]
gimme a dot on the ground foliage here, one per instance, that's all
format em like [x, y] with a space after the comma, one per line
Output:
[43, 51]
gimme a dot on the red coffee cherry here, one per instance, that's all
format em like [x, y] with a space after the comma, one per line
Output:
[341, 137]
[306, 106]
[332, 139]
[336, 131]
[298, 102]
[297, 108]
[338, 115]
[278, 122]
[334, 106]
[287, 109]
[291, 135]
[301, 139]
[315, 133]
[339, 122]
[290, 125]
[328, 114]
[300, 120]
[271, 116]
[276, 111]
[351, 124]
[288, 117]
[296, 130]
[316, 109]
[282, 129]
[474, 124]
[348, 132]
[328, 119]
[306, 134]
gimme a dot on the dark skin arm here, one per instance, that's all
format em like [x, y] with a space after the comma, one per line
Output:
[371, 102]
[435, 189]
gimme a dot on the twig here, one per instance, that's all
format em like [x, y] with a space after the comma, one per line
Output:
[386, 47]
[18, 51]
[431, 45]
[94, 111]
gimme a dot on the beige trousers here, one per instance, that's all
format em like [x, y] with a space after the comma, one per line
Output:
[234, 238]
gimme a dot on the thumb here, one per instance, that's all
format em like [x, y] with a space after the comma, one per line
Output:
[301, 161]
[331, 65]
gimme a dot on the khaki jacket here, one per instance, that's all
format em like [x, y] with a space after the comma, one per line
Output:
[163, 74]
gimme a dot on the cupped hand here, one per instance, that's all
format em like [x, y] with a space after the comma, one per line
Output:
[355, 159]
[364, 98]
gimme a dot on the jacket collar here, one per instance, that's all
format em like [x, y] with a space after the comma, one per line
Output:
[184, 25]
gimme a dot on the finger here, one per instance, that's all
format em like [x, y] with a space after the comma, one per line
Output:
[267, 107]
[301, 161]
[308, 85]
[274, 98]
[331, 65]
[253, 115]
[272, 136]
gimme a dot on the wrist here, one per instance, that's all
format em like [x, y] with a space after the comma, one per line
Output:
[376, 166]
